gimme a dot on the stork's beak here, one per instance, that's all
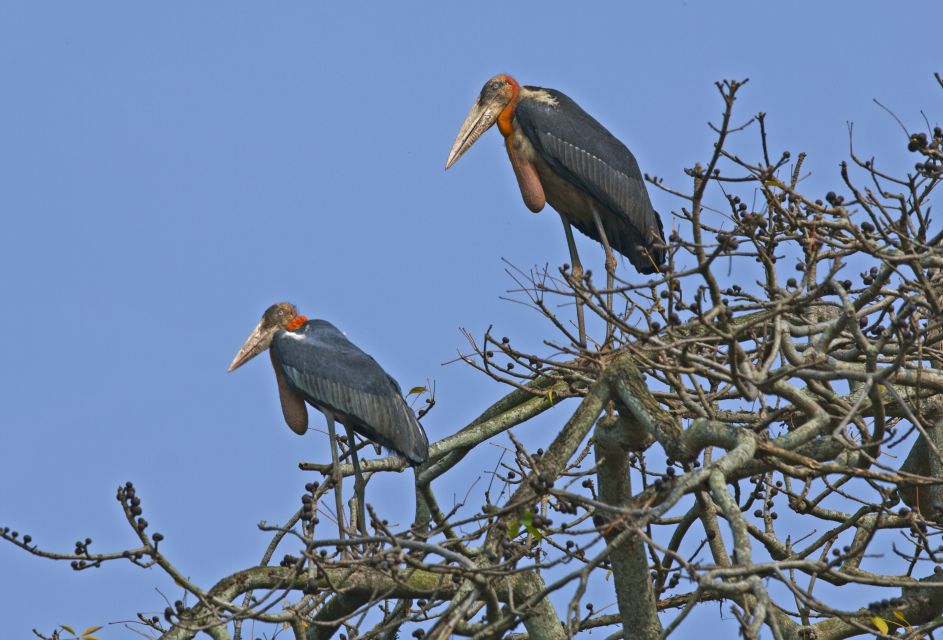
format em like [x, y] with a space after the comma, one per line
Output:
[479, 119]
[258, 341]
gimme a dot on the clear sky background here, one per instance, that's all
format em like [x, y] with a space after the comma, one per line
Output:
[168, 170]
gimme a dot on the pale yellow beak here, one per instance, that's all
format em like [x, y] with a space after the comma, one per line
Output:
[479, 119]
[258, 341]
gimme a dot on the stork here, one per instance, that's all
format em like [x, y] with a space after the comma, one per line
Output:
[562, 156]
[316, 364]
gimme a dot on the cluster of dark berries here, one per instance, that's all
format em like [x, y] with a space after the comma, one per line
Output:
[81, 547]
[308, 506]
[738, 206]
[14, 535]
[726, 243]
[840, 555]
[918, 141]
[128, 498]
[933, 166]
[379, 561]
[289, 561]
[541, 483]
[833, 199]
[868, 277]
[564, 506]
[178, 610]
[152, 621]
[766, 493]
[845, 284]
[662, 484]
[510, 549]
[541, 521]
[750, 222]
[886, 603]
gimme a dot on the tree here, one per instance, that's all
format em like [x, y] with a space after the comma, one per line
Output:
[735, 442]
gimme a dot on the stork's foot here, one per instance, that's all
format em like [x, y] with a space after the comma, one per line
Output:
[611, 265]
[577, 272]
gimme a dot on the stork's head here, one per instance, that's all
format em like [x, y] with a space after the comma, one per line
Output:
[495, 104]
[279, 317]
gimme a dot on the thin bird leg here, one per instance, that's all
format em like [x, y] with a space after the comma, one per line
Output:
[359, 484]
[577, 273]
[336, 476]
[610, 270]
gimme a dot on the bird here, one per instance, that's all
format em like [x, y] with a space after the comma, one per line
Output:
[316, 364]
[563, 156]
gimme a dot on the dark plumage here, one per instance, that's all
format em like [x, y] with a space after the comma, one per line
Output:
[317, 364]
[581, 151]
[333, 374]
[561, 155]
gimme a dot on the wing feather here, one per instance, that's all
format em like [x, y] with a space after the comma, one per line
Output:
[332, 373]
[585, 154]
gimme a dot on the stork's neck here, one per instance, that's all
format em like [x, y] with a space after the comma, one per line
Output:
[507, 113]
[296, 322]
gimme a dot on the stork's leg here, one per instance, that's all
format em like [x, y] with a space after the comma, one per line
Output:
[359, 483]
[336, 476]
[578, 276]
[610, 270]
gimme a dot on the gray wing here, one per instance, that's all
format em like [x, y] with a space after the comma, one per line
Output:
[332, 373]
[581, 150]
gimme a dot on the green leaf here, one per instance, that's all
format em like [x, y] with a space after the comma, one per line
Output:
[528, 521]
[91, 630]
[550, 397]
[68, 628]
[90, 637]
[514, 528]
[880, 624]
[415, 391]
[535, 532]
[900, 616]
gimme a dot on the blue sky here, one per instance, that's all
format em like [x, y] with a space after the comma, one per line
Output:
[171, 169]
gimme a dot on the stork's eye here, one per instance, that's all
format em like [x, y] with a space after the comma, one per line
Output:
[281, 312]
[495, 85]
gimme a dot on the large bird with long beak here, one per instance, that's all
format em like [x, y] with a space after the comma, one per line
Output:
[562, 156]
[315, 363]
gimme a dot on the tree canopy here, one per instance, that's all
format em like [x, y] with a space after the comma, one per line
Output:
[764, 426]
